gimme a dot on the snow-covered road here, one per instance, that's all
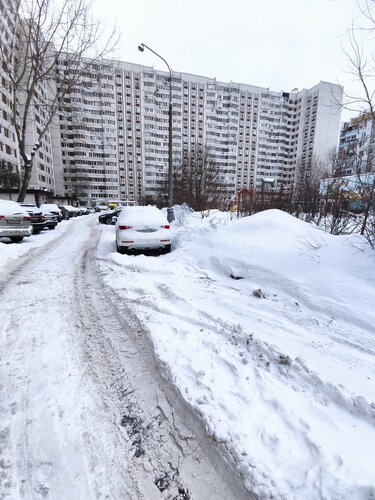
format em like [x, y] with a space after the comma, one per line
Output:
[84, 411]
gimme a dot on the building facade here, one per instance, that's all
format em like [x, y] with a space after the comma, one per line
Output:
[8, 143]
[254, 134]
[14, 39]
[356, 147]
[110, 138]
[87, 128]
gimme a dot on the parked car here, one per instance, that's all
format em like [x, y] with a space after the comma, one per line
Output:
[71, 211]
[53, 209]
[15, 222]
[142, 228]
[38, 219]
[51, 220]
[77, 211]
[107, 218]
[66, 212]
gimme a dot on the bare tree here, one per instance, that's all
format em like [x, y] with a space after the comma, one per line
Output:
[344, 198]
[361, 58]
[160, 196]
[198, 181]
[46, 32]
[306, 195]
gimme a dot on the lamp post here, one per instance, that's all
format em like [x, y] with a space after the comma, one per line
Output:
[170, 214]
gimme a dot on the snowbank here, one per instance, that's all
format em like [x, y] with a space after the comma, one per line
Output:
[11, 252]
[265, 324]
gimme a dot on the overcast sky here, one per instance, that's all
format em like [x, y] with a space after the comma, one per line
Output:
[280, 44]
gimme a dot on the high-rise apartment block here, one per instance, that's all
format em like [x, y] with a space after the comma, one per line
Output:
[115, 130]
[88, 129]
[110, 138]
[8, 143]
[357, 146]
[13, 33]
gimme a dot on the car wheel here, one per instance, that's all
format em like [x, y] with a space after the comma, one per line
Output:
[16, 239]
[122, 250]
[52, 227]
[36, 231]
[167, 248]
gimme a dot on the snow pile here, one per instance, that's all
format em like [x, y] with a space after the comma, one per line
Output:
[265, 324]
[11, 252]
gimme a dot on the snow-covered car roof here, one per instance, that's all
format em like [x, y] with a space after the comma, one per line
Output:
[49, 206]
[142, 214]
[31, 208]
[8, 207]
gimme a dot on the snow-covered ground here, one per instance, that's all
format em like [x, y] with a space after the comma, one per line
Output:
[266, 326]
[84, 411]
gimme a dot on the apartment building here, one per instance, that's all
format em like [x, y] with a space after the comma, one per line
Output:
[110, 138]
[8, 144]
[254, 134]
[131, 132]
[39, 144]
[88, 129]
[14, 37]
[356, 147]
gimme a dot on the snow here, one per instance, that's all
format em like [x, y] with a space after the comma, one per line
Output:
[266, 326]
[10, 252]
[142, 216]
[8, 207]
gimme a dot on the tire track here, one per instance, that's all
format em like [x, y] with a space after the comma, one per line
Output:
[169, 456]
[85, 411]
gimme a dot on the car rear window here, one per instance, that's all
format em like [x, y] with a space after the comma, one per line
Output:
[10, 208]
[142, 215]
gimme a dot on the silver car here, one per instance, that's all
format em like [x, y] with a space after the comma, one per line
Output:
[15, 222]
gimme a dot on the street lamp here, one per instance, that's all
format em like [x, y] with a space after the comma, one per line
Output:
[170, 214]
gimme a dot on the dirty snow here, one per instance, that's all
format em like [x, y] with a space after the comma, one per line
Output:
[84, 410]
[266, 326]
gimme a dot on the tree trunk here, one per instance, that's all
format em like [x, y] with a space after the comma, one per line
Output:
[24, 182]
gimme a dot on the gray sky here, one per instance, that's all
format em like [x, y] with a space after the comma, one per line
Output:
[281, 44]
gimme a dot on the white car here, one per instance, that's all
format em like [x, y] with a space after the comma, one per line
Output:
[142, 228]
[15, 222]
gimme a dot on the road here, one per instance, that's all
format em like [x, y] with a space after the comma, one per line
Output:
[84, 411]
